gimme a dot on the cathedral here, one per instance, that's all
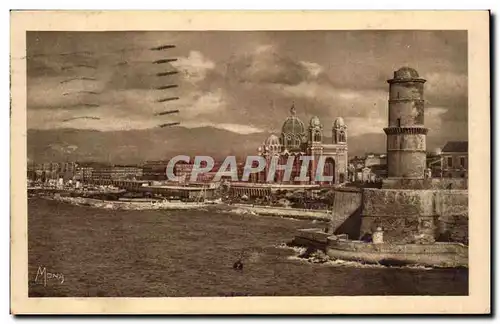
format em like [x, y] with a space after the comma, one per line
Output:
[297, 139]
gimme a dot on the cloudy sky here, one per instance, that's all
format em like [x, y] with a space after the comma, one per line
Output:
[242, 82]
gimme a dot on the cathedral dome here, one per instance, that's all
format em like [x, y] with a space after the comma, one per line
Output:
[406, 73]
[292, 124]
[339, 122]
[315, 122]
[272, 140]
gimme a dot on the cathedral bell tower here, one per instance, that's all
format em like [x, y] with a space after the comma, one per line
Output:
[314, 145]
[406, 133]
[339, 131]
[315, 131]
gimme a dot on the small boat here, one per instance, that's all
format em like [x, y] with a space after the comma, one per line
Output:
[438, 254]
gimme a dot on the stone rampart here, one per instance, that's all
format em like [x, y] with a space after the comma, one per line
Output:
[405, 215]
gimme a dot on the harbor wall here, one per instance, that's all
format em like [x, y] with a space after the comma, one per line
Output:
[405, 215]
[319, 214]
[453, 211]
[397, 212]
[346, 212]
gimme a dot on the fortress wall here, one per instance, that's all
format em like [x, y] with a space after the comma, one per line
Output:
[429, 184]
[452, 208]
[346, 212]
[398, 212]
[401, 214]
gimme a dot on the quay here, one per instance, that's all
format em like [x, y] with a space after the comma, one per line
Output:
[437, 254]
[142, 186]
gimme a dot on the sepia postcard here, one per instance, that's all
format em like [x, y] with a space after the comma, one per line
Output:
[261, 162]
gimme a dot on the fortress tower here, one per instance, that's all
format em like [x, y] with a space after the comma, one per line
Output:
[406, 133]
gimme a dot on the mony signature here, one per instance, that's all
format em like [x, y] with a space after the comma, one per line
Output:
[43, 276]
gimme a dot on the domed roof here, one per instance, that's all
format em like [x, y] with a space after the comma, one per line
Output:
[315, 121]
[272, 140]
[292, 124]
[406, 73]
[339, 122]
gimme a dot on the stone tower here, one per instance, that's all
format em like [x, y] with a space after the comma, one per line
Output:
[314, 145]
[406, 133]
[339, 131]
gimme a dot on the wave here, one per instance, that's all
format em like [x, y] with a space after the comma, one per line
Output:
[319, 258]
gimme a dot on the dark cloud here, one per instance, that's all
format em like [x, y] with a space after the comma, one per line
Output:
[448, 90]
[365, 59]
[267, 65]
[243, 78]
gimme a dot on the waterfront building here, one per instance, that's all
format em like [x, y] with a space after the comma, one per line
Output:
[154, 170]
[434, 164]
[455, 159]
[370, 168]
[117, 172]
[84, 173]
[52, 170]
[358, 162]
[183, 171]
[375, 159]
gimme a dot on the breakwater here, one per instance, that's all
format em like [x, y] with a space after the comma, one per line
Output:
[130, 205]
[319, 214]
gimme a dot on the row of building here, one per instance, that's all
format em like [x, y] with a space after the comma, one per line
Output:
[84, 172]
[92, 172]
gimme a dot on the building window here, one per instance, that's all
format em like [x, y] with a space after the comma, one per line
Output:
[342, 137]
[317, 137]
[462, 161]
[399, 122]
[449, 162]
